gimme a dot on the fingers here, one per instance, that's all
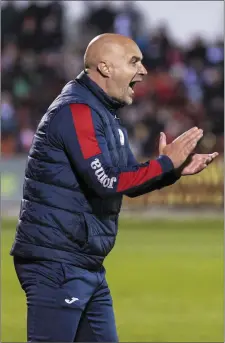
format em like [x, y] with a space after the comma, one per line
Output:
[205, 158]
[186, 133]
[194, 168]
[191, 142]
[162, 142]
[214, 155]
[210, 157]
[194, 136]
[199, 162]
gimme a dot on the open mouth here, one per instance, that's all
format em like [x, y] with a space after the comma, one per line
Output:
[131, 84]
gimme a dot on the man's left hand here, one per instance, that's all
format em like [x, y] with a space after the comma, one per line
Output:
[197, 162]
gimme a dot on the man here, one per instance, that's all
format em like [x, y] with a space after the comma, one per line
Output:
[79, 166]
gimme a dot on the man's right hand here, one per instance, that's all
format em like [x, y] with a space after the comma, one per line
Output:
[179, 150]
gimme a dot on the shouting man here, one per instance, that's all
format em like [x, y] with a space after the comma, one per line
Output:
[79, 167]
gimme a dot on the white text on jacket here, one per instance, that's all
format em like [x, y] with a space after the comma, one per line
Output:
[101, 175]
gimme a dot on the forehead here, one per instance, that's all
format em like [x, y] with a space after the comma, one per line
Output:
[120, 53]
[132, 50]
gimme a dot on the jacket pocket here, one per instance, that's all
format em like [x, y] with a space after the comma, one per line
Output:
[45, 273]
[101, 236]
[86, 230]
[77, 231]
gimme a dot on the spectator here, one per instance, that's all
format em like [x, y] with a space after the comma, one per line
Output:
[101, 18]
[128, 20]
[9, 23]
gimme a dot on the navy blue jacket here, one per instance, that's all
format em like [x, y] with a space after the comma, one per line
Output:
[78, 169]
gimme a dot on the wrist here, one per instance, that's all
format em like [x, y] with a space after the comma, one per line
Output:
[166, 163]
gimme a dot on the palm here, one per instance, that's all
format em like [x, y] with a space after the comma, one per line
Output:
[194, 164]
[197, 162]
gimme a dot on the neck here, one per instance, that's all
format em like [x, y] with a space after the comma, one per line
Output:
[98, 79]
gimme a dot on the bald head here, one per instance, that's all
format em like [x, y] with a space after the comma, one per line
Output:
[113, 61]
[106, 47]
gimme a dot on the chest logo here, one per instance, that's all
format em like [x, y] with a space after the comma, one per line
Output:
[122, 139]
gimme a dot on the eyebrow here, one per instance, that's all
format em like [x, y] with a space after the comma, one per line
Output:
[135, 58]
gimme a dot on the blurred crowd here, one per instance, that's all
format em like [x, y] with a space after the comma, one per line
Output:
[184, 86]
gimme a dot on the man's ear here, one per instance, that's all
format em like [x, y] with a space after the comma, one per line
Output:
[104, 69]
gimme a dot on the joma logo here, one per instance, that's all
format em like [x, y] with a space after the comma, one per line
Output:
[101, 175]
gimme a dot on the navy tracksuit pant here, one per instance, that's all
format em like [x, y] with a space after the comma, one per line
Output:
[66, 303]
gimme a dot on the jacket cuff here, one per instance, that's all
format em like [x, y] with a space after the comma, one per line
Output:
[166, 163]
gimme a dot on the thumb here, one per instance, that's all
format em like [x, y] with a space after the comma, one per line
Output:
[162, 142]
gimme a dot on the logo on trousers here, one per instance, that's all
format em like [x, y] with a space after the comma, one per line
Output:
[70, 301]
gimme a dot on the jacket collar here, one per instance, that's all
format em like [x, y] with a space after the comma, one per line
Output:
[111, 104]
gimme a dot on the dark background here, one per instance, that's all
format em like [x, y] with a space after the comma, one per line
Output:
[184, 87]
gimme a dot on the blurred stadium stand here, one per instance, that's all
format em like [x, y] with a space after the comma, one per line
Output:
[184, 87]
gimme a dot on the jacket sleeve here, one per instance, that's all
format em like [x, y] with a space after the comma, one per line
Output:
[166, 180]
[79, 131]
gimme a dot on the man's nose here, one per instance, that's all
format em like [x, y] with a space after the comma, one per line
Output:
[143, 70]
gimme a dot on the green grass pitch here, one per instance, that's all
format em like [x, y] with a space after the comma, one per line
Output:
[166, 279]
